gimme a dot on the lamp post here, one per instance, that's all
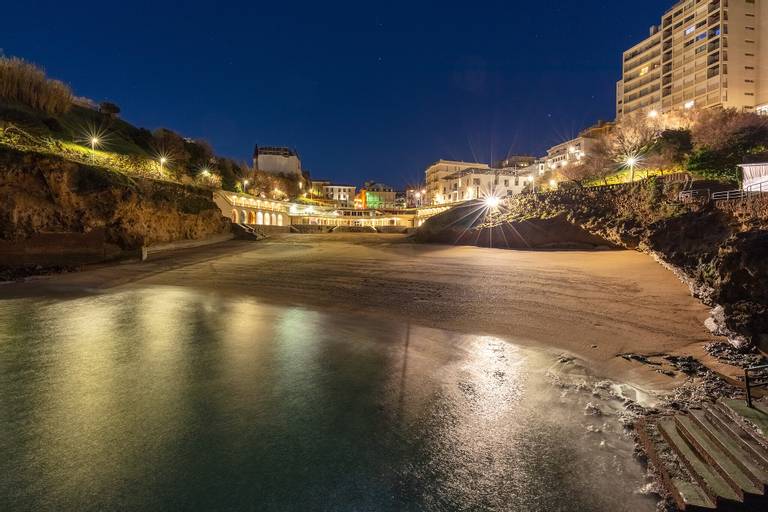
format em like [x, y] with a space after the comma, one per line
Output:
[631, 162]
[94, 142]
[163, 161]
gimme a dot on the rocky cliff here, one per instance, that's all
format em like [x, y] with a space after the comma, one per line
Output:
[45, 200]
[719, 249]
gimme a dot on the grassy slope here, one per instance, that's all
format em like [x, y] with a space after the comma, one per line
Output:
[74, 127]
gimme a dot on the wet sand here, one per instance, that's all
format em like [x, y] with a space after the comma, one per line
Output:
[595, 305]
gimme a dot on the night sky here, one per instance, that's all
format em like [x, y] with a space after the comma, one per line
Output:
[363, 90]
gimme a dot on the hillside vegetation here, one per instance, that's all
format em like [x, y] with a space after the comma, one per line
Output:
[708, 144]
[38, 114]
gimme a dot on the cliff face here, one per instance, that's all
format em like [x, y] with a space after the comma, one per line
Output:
[720, 250]
[474, 224]
[44, 195]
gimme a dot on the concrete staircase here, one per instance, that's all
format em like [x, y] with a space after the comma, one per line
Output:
[245, 232]
[715, 458]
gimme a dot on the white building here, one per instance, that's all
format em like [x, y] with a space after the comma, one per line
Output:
[343, 195]
[574, 151]
[439, 170]
[755, 177]
[277, 160]
[478, 183]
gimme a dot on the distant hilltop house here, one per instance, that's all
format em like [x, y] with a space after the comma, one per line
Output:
[277, 160]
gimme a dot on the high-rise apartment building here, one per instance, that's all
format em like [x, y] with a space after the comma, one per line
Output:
[705, 53]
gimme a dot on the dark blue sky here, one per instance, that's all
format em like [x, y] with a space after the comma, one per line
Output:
[363, 90]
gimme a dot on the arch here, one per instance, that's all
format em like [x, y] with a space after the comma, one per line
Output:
[259, 218]
[251, 218]
[280, 220]
[234, 216]
[266, 219]
[274, 219]
[243, 217]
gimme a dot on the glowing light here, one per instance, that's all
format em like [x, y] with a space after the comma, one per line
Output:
[552, 183]
[653, 114]
[631, 161]
[205, 172]
[163, 160]
[690, 104]
[492, 202]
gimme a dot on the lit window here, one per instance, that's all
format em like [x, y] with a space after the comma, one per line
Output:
[644, 71]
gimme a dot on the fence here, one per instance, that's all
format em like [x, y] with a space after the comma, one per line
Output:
[760, 188]
[688, 196]
[751, 381]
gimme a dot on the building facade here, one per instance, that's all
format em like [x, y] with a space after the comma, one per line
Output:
[416, 196]
[704, 53]
[435, 173]
[574, 151]
[277, 160]
[379, 195]
[479, 183]
[343, 195]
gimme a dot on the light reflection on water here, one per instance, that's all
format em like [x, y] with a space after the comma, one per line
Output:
[172, 399]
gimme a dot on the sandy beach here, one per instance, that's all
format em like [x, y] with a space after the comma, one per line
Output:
[595, 305]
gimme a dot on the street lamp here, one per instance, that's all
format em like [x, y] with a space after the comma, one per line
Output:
[163, 161]
[532, 181]
[94, 143]
[631, 162]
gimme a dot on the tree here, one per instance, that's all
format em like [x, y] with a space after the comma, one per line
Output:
[671, 150]
[727, 129]
[109, 109]
[600, 162]
[577, 173]
[633, 135]
[722, 139]
[200, 154]
[171, 146]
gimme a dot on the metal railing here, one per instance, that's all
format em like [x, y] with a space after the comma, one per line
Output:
[730, 195]
[690, 195]
[751, 382]
[758, 188]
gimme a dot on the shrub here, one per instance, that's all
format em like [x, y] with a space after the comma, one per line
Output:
[25, 83]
